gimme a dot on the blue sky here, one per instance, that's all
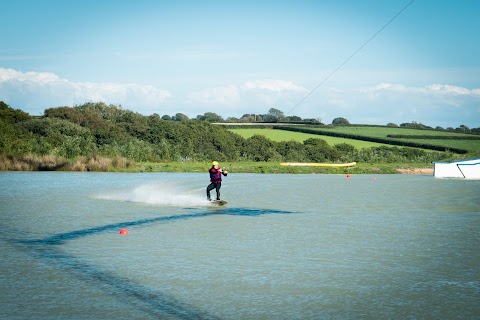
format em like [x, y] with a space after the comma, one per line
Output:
[238, 57]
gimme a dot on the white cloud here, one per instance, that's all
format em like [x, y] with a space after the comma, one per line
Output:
[434, 105]
[36, 91]
[273, 86]
[225, 96]
[437, 104]
[250, 97]
[434, 89]
[448, 89]
[43, 77]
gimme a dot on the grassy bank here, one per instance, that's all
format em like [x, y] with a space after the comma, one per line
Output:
[274, 167]
[31, 162]
[53, 163]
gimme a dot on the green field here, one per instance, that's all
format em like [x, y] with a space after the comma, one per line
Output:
[383, 132]
[281, 135]
[472, 146]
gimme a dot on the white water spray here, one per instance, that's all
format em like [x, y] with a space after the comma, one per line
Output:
[158, 194]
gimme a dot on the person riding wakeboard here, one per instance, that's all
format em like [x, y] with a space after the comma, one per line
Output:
[215, 179]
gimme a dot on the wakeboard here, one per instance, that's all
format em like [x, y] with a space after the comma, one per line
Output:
[219, 202]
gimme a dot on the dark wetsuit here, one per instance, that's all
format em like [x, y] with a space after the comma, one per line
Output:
[215, 181]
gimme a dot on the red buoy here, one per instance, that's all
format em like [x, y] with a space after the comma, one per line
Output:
[123, 231]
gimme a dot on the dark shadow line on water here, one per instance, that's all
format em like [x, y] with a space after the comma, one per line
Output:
[153, 302]
[62, 237]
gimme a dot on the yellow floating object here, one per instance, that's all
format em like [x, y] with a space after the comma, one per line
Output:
[335, 165]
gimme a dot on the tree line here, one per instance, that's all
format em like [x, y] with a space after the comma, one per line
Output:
[100, 130]
[273, 115]
[277, 116]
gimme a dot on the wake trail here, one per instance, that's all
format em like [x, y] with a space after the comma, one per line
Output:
[168, 194]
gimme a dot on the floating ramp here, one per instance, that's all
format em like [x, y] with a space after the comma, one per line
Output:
[331, 165]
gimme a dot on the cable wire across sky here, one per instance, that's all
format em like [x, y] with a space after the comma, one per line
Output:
[350, 57]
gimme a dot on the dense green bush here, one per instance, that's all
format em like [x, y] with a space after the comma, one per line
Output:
[97, 131]
[292, 151]
[260, 148]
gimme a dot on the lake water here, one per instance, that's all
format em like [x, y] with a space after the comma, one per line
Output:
[285, 247]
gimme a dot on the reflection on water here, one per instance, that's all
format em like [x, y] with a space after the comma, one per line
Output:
[286, 247]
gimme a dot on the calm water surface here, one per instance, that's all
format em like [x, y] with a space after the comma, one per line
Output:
[285, 247]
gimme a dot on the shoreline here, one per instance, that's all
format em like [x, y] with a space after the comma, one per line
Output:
[97, 164]
[415, 171]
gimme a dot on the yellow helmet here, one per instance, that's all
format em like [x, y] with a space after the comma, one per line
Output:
[214, 163]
